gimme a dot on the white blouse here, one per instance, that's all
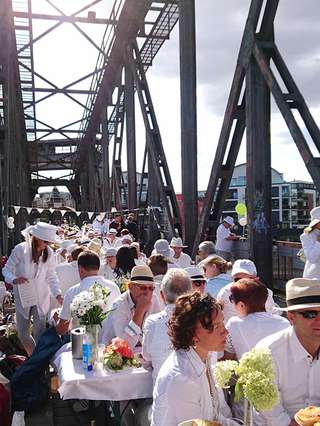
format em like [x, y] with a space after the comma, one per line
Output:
[245, 333]
[182, 392]
[41, 275]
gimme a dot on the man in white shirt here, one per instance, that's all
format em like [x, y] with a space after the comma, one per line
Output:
[156, 344]
[242, 268]
[132, 308]
[182, 260]
[295, 353]
[224, 238]
[88, 265]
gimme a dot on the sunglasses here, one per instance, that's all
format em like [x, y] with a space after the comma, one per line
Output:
[309, 314]
[231, 298]
[145, 287]
[198, 283]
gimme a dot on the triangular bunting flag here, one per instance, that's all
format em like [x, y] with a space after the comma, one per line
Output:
[63, 212]
[40, 210]
[90, 214]
[51, 210]
[29, 209]
[16, 209]
[78, 213]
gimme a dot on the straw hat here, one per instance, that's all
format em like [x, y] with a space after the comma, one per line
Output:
[95, 245]
[177, 242]
[195, 273]
[45, 232]
[302, 293]
[141, 274]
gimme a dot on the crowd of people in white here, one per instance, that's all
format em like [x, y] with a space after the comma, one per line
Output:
[181, 315]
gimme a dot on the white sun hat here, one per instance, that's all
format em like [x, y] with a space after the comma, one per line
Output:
[229, 220]
[315, 216]
[177, 242]
[45, 232]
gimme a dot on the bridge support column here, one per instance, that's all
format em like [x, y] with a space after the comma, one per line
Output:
[131, 138]
[259, 172]
[188, 90]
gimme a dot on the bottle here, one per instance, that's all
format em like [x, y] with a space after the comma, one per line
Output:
[87, 353]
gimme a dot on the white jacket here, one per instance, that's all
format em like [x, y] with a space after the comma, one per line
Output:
[43, 278]
[311, 248]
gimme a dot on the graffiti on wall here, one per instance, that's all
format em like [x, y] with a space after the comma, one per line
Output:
[260, 223]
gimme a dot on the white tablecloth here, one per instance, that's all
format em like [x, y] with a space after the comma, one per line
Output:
[77, 383]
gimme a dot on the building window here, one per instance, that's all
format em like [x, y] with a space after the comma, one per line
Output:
[275, 191]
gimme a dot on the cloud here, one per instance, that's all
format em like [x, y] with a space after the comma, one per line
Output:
[219, 31]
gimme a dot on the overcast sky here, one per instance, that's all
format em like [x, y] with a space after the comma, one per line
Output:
[66, 55]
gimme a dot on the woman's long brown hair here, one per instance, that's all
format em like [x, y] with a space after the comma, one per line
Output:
[34, 253]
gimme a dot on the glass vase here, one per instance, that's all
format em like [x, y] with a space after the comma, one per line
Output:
[92, 332]
[248, 413]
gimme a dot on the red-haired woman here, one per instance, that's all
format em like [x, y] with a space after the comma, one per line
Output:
[253, 323]
[31, 270]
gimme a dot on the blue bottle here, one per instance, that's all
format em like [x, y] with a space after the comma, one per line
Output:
[87, 353]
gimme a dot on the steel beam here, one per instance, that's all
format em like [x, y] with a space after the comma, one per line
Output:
[259, 172]
[188, 93]
[105, 163]
[130, 138]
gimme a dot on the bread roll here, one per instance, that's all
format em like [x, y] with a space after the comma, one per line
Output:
[309, 416]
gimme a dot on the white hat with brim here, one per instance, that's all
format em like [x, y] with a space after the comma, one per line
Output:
[112, 231]
[229, 220]
[195, 273]
[45, 232]
[141, 274]
[177, 242]
[162, 247]
[94, 246]
[302, 293]
[109, 251]
[244, 266]
[315, 216]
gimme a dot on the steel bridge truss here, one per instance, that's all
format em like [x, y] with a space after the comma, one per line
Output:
[135, 32]
[248, 108]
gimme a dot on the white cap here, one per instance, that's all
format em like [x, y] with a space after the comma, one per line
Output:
[112, 231]
[45, 232]
[244, 266]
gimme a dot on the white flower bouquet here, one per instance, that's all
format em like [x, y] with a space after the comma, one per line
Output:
[253, 377]
[91, 306]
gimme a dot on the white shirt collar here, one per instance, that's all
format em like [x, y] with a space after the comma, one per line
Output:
[297, 350]
[198, 365]
[87, 280]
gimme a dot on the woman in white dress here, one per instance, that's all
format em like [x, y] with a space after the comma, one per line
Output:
[185, 387]
[310, 240]
[31, 270]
